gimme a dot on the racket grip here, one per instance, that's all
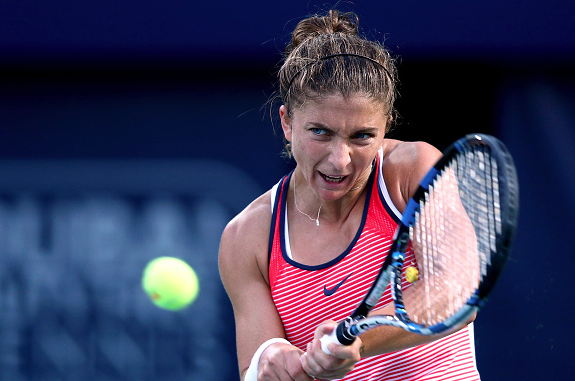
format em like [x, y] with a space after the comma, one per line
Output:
[338, 336]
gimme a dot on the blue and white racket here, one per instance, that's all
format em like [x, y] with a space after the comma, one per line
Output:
[460, 224]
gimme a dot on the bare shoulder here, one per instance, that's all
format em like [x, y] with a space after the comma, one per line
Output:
[410, 153]
[244, 242]
[404, 165]
[256, 215]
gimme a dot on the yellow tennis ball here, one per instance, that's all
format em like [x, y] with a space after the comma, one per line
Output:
[171, 283]
[411, 274]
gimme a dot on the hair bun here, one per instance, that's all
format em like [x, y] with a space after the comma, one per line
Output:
[333, 22]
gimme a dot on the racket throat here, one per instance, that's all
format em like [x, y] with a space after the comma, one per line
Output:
[346, 331]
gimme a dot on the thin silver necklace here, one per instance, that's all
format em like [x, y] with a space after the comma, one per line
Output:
[319, 210]
[299, 210]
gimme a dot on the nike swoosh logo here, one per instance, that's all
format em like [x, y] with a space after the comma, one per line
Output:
[331, 291]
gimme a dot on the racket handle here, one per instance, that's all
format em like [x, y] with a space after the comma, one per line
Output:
[339, 336]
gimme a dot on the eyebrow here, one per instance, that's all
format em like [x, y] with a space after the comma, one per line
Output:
[371, 130]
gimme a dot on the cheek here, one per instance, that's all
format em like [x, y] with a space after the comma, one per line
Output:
[300, 153]
[297, 141]
[305, 152]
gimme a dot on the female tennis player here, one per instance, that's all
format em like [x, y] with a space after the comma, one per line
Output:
[301, 256]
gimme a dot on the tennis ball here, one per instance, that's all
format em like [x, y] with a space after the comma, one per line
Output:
[411, 274]
[170, 283]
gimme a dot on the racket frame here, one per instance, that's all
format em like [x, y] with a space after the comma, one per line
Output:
[391, 270]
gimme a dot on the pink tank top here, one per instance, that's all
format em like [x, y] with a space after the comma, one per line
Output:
[305, 296]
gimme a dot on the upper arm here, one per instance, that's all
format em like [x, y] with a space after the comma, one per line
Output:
[242, 263]
[404, 165]
[424, 156]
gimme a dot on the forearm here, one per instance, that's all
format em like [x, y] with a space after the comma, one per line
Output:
[390, 339]
[385, 339]
[253, 331]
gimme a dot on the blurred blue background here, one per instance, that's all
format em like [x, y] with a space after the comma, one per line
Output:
[135, 129]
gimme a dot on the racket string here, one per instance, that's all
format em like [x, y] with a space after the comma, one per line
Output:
[453, 236]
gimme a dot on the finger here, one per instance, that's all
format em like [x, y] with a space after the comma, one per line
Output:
[325, 328]
[294, 368]
[315, 375]
[323, 357]
[345, 352]
[322, 366]
[309, 364]
[282, 364]
[268, 373]
[342, 360]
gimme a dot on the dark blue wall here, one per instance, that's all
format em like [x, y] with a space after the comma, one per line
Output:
[130, 130]
[488, 29]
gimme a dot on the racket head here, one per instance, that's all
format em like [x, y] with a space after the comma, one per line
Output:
[460, 246]
[461, 223]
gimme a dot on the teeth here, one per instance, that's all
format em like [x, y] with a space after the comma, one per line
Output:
[334, 178]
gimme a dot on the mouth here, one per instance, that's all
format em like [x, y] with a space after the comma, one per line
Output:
[333, 179]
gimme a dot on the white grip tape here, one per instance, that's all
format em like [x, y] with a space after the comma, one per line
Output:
[252, 372]
[326, 339]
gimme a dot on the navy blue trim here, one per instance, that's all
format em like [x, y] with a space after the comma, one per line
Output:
[274, 214]
[382, 198]
[342, 255]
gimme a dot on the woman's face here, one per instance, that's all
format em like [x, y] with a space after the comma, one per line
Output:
[334, 141]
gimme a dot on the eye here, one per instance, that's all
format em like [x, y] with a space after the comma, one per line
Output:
[318, 131]
[363, 135]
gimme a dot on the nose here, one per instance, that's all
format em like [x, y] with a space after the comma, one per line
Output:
[340, 155]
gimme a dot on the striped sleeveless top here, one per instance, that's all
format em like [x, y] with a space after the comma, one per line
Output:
[305, 296]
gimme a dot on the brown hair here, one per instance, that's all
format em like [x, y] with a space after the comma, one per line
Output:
[327, 55]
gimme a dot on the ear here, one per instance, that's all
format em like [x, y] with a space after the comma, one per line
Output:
[388, 123]
[286, 123]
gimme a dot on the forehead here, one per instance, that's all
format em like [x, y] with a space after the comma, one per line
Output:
[337, 109]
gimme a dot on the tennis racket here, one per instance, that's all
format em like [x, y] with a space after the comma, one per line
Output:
[460, 224]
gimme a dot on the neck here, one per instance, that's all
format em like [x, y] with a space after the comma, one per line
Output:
[331, 213]
[366, 173]
[316, 219]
